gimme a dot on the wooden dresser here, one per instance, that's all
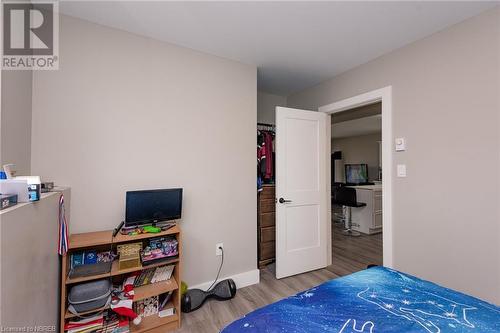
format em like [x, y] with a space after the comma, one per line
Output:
[266, 225]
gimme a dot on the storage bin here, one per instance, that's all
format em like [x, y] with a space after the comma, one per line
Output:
[89, 296]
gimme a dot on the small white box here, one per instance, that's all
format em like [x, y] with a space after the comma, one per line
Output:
[31, 180]
[15, 186]
[166, 312]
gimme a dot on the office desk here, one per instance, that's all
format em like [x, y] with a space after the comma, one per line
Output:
[369, 217]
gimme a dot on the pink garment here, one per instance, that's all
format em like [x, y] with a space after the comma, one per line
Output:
[268, 141]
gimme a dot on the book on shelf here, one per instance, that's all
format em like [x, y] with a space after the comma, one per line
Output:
[146, 307]
[164, 299]
[148, 262]
[104, 322]
[166, 308]
[162, 273]
[114, 323]
[86, 324]
[154, 275]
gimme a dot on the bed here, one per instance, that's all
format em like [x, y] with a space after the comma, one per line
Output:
[377, 299]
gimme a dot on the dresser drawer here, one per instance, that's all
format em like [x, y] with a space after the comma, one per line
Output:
[267, 234]
[268, 192]
[267, 206]
[267, 250]
[267, 220]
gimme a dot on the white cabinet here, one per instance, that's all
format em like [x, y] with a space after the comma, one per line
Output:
[368, 219]
[377, 210]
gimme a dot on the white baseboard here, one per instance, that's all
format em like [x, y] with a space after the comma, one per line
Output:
[242, 280]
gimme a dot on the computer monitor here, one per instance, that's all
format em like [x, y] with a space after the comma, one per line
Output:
[356, 173]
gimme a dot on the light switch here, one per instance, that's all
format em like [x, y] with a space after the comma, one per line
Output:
[400, 144]
[401, 170]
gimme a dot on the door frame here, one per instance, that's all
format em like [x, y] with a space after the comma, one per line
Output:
[383, 95]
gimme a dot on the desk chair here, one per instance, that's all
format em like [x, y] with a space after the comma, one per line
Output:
[337, 215]
[346, 196]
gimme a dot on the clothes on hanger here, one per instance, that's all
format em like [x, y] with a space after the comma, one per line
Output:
[259, 183]
[261, 154]
[268, 142]
[265, 160]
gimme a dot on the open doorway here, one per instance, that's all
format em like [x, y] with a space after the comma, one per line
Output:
[356, 174]
[303, 224]
[375, 102]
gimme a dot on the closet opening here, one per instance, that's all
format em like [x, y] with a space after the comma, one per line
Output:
[266, 204]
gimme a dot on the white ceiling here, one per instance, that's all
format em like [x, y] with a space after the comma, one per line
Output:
[361, 126]
[294, 44]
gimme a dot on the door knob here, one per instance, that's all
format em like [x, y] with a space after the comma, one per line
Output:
[281, 200]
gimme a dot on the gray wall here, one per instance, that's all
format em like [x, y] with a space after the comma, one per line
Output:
[360, 149]
[266, 107]
[446, 103]
[125, 112]
[15, 132]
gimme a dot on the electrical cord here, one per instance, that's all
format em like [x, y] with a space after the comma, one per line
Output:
[220, 267]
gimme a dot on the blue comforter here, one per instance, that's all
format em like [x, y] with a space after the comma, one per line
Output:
[374, 300]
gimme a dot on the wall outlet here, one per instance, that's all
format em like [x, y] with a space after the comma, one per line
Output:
[218, 251]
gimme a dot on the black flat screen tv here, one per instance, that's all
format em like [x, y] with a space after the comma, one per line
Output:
[152, 206]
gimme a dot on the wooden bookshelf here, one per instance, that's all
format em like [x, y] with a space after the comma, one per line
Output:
[69, 315]
[117, 271]
[104, 240]
[154, 289]
[89, 239]
[124, 238]
[86, 278]
[156, 323]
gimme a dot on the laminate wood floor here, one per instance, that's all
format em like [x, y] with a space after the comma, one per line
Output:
[349, 255]
[353, 254]
[214, 315]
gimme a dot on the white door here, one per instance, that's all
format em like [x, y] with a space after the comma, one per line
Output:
[302, 191]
